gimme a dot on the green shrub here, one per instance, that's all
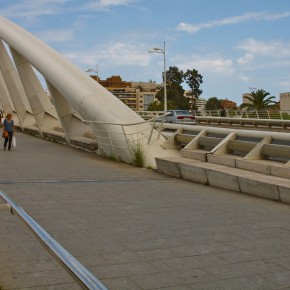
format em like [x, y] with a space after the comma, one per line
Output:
[138, 156]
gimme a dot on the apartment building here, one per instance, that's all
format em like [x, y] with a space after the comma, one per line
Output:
[136, 95]
[285, 102]
[199, 102]
[246, 100]
[227, 104]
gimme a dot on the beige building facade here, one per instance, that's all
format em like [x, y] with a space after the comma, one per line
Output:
[245, 100]
[200, 103]
[285, 102]
[136, 95]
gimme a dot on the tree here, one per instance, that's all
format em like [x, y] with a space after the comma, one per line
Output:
[194, 80]
[259, 100]
[175, 92]
[213, 104]
[156, 106]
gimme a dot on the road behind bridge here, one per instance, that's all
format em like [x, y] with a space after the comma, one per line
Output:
[135, 228]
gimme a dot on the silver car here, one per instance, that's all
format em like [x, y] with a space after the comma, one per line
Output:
[179, 116]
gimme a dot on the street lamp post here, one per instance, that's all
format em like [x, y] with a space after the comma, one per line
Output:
[163, 51]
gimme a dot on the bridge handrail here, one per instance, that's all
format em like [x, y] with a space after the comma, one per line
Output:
[128, 124]
[133, 139]
[226, 131]
[79, 273]
[256, 114]
[242, 119]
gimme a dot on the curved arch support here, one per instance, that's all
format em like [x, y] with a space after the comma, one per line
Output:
[118, 129]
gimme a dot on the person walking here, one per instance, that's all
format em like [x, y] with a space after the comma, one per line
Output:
[223, 112]
[8, 126]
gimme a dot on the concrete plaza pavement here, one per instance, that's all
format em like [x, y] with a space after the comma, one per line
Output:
[135, 228]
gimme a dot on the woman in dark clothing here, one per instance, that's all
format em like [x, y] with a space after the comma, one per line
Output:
[8, 126]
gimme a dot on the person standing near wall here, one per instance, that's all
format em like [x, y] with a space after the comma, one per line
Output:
[8, 126]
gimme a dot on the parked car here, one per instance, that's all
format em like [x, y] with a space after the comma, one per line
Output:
[179, 116]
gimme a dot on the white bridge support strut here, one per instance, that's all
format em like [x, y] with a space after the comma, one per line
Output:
[80, 102]
[15, 88]
[5, 99]
[42, 108]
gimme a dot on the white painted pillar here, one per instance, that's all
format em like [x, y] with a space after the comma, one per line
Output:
[42, 108]
[15, 88]
[68, 117]
[5, 99]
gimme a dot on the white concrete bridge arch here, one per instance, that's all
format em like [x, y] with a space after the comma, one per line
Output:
[75, 95]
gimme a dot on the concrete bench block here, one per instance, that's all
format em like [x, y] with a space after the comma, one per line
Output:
[284, 194]
[259, 186]
[168, 165]
[222, 179]
[193, 173]
[254, 165]
[236, 179]
[281, 171]
[226, 160]
[197, 154]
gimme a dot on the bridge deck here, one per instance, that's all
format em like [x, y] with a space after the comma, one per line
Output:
[135, 228]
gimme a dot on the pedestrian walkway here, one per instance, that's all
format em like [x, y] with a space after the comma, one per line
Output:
[135, 228]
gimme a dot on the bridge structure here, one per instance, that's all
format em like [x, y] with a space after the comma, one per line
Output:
[246, 161]
[82, 108]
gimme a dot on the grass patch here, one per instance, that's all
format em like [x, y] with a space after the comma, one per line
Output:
[111, 157]
[138, 156]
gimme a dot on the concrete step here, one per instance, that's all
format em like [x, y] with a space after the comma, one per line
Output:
[198, 154]
[269, 167]
[236, 179]
[266, 166]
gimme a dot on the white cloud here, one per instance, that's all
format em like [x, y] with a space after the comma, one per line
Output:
[33, 8]
[108, 3]
[209, 64]
[247, 58]
[257, 16]
[263, 48]
[285, 84]
[245, 78]
[30, 9]
[113, 53]
[56, 35]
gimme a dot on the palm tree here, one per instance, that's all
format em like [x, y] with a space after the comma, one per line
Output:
[259, 100]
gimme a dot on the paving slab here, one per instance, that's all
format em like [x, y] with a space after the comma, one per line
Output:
[135, 228]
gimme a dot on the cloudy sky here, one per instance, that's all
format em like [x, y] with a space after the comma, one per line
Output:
[236, 45]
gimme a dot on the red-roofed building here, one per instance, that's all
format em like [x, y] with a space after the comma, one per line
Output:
[227, 104]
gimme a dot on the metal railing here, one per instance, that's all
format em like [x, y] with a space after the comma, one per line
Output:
[79, 273]
[147, 115]
[253, 114]
[269, 124]
[134, 134]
